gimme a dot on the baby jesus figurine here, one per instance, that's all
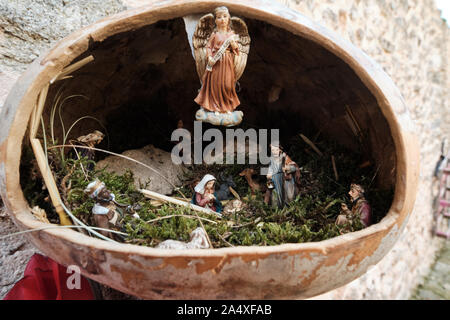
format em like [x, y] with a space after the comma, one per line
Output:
[205, 195]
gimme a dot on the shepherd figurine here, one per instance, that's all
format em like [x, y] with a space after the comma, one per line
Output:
[107, 215]
[360, 208]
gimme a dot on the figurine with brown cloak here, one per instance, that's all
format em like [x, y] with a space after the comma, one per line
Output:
[106, 211]
[360, 208]
[284, 175]
[221, 46]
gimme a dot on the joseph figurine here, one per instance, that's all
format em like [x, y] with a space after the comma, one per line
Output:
[284, 174]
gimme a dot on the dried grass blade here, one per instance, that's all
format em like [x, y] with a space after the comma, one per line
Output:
[49, 181]
[68, 70]
[36, 116]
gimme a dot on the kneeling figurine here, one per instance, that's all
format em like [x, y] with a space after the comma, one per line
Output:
[360, 208]
[205, 195]
[107, 215]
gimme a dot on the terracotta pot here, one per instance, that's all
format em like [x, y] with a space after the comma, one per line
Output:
[283, 271]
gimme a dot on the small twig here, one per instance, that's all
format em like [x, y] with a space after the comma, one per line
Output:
[332, 203]
[317, 135]
[365, 164]
[320, 131]
[352, 117]
[243, 225]
[357, 127]
[247, 224]
[63, 183]
[373, 178]
[235, 194]
[204, 229]
[180, 215]
[335, 182]
[223, 239]
[311, 144]
[161, 197]
[81, 164]
[351, 125]
[334, 168]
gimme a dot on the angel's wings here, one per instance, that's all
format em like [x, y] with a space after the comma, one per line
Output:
[240, 61]
[203, 32]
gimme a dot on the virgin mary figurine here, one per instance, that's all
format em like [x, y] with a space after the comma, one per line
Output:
[221, 46]
[205, 195]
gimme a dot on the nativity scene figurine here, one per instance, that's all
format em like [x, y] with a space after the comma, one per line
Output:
[205, 195]
[360, 208]
[221, 47]
[108, 213]
[283, 177]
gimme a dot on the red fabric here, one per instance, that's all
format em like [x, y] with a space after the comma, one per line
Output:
[202, 201]
[44, 279]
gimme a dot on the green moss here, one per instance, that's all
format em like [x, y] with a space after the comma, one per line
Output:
[310, 217]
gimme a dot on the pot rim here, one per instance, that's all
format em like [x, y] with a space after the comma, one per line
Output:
[24, 94]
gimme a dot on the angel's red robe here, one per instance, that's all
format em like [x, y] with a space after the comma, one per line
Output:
[218, 93]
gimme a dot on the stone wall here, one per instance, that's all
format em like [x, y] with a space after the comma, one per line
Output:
[27, 29]
[406, 37]
[411, 42]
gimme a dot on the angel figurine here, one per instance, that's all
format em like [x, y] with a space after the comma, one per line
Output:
[221, 46]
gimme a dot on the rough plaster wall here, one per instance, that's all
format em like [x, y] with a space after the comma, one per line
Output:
[408, 39]
[411, 42]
